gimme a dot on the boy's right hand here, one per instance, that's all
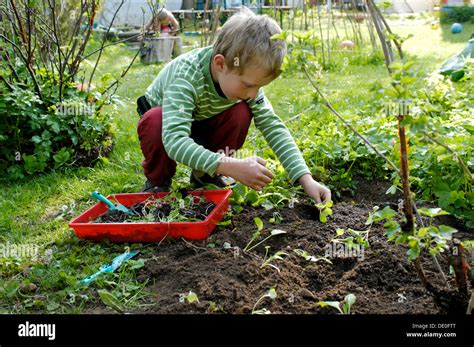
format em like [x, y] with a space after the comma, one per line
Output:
[250, 171]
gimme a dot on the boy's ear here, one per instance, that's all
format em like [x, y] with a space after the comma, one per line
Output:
[219, 61]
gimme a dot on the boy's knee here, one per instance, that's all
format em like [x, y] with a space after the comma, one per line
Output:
[151, 123]
[241, 116]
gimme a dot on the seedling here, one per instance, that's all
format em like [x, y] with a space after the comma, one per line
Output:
[277, 256]
[324, 210]
[349, 300]
[276, 219]
[355, 239]
[258, 222]
[270, 294]
[310, 257]
[431, 237]
[213, 307]
[274, 232]
[190, 297]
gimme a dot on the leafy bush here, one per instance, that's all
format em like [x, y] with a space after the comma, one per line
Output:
[459, 14]
[48, 120]
[38, 135]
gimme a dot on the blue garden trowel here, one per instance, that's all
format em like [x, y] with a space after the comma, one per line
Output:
[111, 205]
[110, 266]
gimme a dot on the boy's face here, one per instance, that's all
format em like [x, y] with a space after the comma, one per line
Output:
[237, 86]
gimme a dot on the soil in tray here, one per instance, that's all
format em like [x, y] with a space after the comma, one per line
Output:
[159, 211]
[383, 280]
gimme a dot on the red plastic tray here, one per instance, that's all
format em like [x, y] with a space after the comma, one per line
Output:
[150, 232]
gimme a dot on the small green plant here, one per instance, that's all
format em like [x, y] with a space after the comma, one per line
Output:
[308, 257]
[434, 239]
[271, 294]
[213, 307]
[276, 218]
[324, 211]
[268, 261]
[259, 224]
[190, 297]
[354, 239]
[349, 300]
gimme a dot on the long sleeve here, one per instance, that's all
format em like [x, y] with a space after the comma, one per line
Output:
[178, 105]
[278, 137]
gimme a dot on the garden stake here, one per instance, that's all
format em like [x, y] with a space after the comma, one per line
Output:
[407, 203]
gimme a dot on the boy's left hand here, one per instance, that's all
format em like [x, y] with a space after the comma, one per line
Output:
[315, 190]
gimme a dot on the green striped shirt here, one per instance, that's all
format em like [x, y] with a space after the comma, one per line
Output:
[186, 92]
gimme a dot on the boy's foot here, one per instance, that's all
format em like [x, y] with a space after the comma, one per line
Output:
[151, 188]
[200, 179]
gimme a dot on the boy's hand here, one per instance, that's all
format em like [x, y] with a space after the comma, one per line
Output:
[315, 190]
[250, 171]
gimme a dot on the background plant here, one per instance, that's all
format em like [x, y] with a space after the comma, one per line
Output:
[51, 114]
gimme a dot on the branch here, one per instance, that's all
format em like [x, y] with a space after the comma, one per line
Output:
[58, 44]
[124, 72]
[77, 60]
[103, 41]
[28, 67]
[329, 106]
[76, 29]
[397, 44]
[6, 83]
[13, 70]
[112, 44]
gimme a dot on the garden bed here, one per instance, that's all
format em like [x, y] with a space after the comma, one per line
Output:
[228, 280]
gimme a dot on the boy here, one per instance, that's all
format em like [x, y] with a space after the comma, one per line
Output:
[201, 105]
[163, 22]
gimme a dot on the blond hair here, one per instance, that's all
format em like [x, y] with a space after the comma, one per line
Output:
[245, 41]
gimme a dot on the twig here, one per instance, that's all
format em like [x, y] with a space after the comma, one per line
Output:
[28, 67]
[103, 41]
[193, 246]
[9, 86]
[112, 44]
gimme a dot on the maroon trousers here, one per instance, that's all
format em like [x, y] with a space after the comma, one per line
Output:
[225, 132]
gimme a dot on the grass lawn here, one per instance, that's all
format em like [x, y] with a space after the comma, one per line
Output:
[36, 210]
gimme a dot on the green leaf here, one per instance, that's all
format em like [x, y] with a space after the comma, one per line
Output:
[323, 218]
[349, 300]
[258, 223]
[136, 264]
[252, 197]
[277, 232]
[391, 190]
[432, 212]
[52, 306]
[447, 231]
[272, 294]
[413, 253]
[261, 311]
[334, 304]
[422, 232]
[110, 300]
[192, 297]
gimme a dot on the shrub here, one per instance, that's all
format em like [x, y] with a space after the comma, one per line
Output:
[49, 120]
[37, 135]
[459, 14]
